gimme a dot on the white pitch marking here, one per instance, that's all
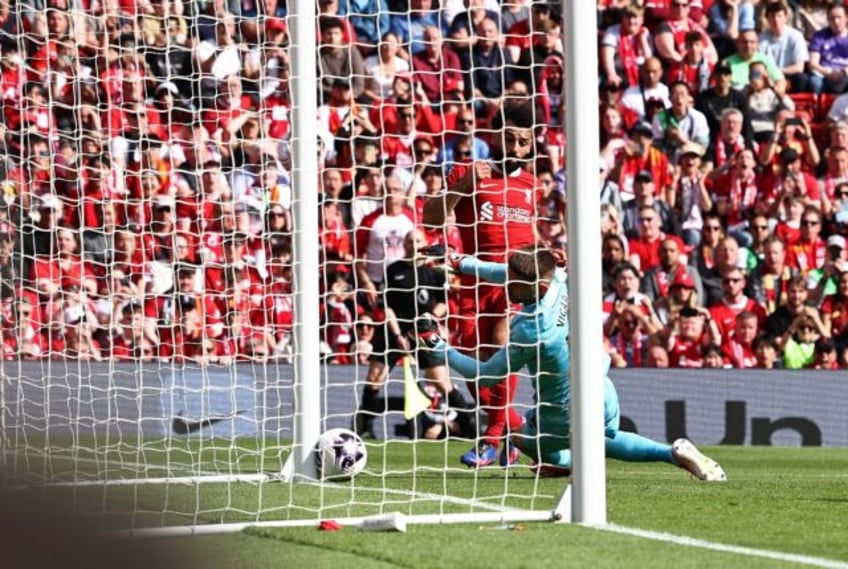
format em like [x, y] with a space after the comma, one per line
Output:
[736, 549]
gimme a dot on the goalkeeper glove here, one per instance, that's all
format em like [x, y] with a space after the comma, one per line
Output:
[428, 336]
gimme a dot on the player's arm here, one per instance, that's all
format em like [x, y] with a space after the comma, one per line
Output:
[438, 208]
[492, 272]
[507, 360]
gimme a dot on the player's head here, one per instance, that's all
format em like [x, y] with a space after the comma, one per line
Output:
[529, 274]
[513, 145]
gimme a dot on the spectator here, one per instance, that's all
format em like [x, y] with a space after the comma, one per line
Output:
[410, 25]
[747, 55]
[680, 124]
[791, 180]
[670, 35]
[645, 195]
[645, 249]
[339, 61]
[612, 255]
[383, 67]
[834, 312]
[710, 252]
[687, 334]
[799, 341]
[694, 69]
[625, 47]
[796, 305]
[760, 231]
[629, 316]
[738, 346]
[733, 302]
[371, 19]
[765, 350]
[729, 18]
[792, 132]
[809, 250]
[218, 57]
[829, 53]
[640, 154]
[768, 284]
[487, 69]
[765, 101]
[519, 36]
[650, 88]
[728, 140]
[461, 30]
[657, 357]
[437, 68]
[689, 198]
[825, 355]
[785, 45]
[736, 195]
[657, 281]
[810, 16]
[713, 358]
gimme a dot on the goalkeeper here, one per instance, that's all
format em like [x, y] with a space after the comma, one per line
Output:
[538, 339]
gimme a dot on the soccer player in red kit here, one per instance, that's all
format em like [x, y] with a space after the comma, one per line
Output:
[495, 206]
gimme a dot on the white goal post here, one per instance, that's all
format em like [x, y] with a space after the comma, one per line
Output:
[175, 445]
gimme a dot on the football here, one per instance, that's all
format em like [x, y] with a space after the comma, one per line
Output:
[340, 454]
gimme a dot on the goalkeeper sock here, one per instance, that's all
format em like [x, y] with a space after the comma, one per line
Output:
[636, 448]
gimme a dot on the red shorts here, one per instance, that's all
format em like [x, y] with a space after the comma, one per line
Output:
[482, 306]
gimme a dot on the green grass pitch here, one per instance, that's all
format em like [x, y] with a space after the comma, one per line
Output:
[778, 503]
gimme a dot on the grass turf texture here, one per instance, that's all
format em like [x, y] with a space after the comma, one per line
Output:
[785, 500]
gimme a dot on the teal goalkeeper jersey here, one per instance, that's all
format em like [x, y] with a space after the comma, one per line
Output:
[538, 339]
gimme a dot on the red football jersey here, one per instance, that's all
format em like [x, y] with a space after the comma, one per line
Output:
[500, 216]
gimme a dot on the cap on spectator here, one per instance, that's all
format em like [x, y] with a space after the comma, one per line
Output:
[167, 86]
[788, 155]
[689, 312]
[722, 69]
[74, 315]
[642, 127]
[185, 268]
[692, 148]
[49, 201]
[163, 202]
[684, 279]
[341, 84]
[645, 177]
[836, 241]
[275, 24]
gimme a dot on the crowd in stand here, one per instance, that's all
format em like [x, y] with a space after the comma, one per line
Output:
[145, 158]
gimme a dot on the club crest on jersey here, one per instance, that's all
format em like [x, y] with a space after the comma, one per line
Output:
[487, 211]
[528, 196]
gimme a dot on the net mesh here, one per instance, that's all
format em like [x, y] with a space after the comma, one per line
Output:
[146, 248]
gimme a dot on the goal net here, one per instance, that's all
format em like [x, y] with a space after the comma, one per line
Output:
[149, 254]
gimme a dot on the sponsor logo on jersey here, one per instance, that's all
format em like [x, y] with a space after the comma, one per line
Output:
[489, 212]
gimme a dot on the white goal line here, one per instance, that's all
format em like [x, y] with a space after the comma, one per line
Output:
[714, 546]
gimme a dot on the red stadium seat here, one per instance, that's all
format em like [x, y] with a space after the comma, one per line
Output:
[825, 102]
[806, 103]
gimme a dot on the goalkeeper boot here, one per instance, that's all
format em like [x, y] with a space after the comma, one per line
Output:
[550, 470]
[509, 455]
[484, 454]
[702, 467]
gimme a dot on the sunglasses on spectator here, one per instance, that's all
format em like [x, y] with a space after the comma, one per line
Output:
[405, 115]
[810, 222]
[424, 149]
